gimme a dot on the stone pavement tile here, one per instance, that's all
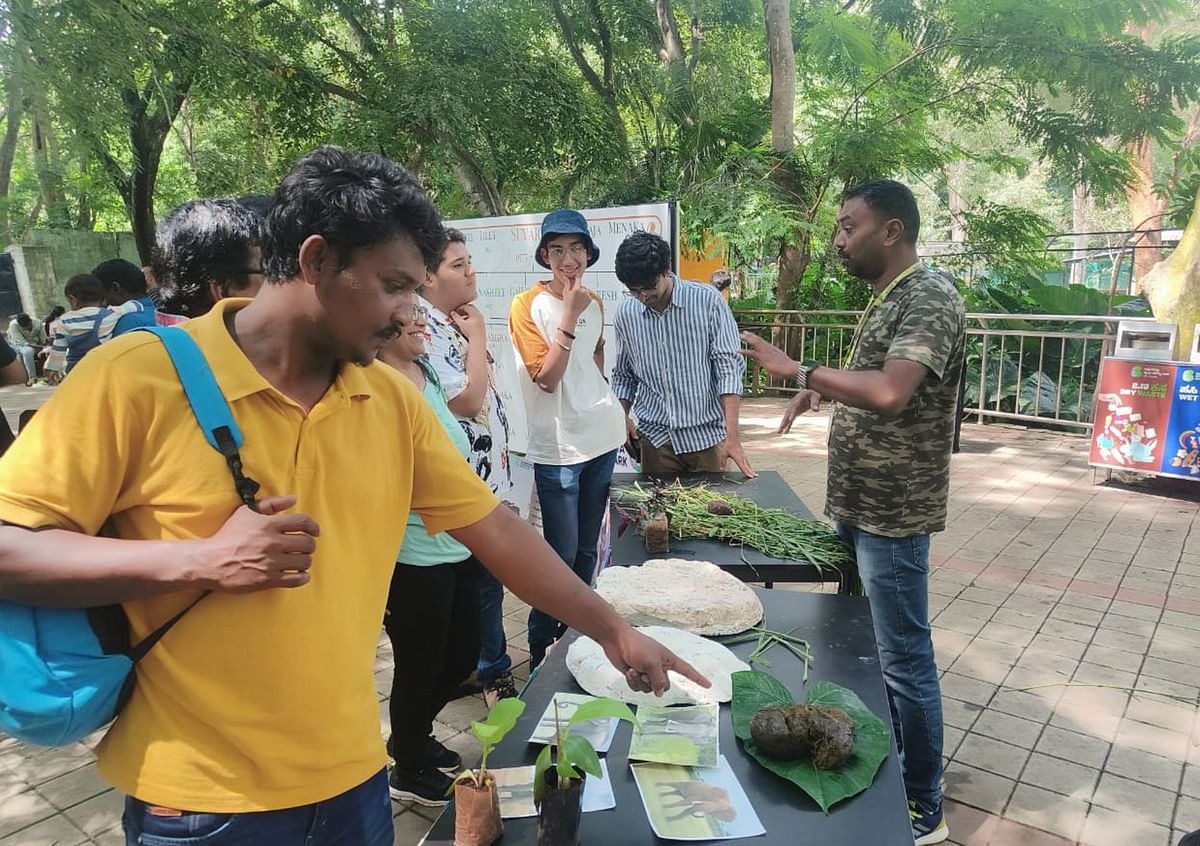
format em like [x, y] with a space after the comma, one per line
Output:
[1118, 623]
[467, 745]
[99, 813]
[1020, 619]
[113, 837]
[977, 788]
[1144, 767]
[1030, 705]
[1112, 555]
[1059, 776]
[967, 688]
[987, 660]
[22, 811]
[1164, 713]
[37, 766]
[1013, 833]
[1169, 670]
[1047, 811]
[964, 616]
[1111, 639]
[55, 831]
[1084, 600]
[10, 785]
[1086, 721]
[1135, 610]
[985, 596]
[1187, 814]
[410, 828]
[1100, 699]
[1015, 730]
[1191, 781]
[1072, 614]
[1073, 649]
[1083, 749]
[1159, 741]
[1088, 673]
[1110, 828]
[1037, 606]
[1171, 648]
[1076, 632]
[969, 826]
[74, 787]
[460, 712]
[1144, 801]
[948, 644]
[995, 756]
[951, 738]
[1179, 618]
[1004, 633]
[959, 714]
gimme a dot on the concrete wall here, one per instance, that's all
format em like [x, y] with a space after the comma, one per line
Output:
[49, 257]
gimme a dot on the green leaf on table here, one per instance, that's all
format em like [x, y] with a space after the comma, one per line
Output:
[753, 691]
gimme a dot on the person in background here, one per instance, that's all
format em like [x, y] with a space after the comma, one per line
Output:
[575, 422]
[679, 366]
[86, 326]
[50, 319]
[458, 352]
[124, 281]
[27, 338]
[12, 372]
[889, 458]
[205, 251]
[722, 280]
[432, 610]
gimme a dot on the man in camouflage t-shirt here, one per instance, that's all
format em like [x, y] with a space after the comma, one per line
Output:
[889, 459]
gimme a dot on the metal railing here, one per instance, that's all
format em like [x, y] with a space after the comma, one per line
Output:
[1036, 368]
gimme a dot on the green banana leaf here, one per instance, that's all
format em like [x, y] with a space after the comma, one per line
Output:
[754, 690]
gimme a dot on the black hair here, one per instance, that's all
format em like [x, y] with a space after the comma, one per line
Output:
[641, 259]
[85, 288]
[453, 236]
[23, 320]
[890, 200]
[198, 243]
[123, 274]
[353, 201]
[260, 204]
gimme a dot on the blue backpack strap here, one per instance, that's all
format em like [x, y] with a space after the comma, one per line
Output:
[220, 430]
[208, 403]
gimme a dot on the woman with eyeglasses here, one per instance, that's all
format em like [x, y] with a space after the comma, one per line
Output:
[432, 610]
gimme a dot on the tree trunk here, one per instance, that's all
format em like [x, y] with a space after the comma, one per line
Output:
[956, 186]
[14, 115]
[1144, 204]
[782, 57]
[793, 258]
[45, 157]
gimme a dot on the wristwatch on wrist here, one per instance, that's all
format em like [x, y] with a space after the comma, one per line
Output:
[803, 370]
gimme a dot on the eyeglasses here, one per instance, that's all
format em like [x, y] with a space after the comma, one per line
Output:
[641, 293]
[576, 250]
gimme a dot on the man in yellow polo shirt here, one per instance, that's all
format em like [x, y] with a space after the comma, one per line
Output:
[255, 719]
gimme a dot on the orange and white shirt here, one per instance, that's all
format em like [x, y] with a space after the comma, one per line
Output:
[581, 419]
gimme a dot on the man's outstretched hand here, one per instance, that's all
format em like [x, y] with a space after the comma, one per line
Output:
[644, 662]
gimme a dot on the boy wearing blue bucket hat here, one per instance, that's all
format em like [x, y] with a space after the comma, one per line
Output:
[576, 423]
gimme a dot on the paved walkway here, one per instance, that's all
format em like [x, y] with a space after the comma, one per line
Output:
[1067, 625]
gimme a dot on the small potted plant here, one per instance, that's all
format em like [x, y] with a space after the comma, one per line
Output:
[561, 768]
[476, 803]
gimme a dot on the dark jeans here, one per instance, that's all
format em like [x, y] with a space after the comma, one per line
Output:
[573, 499]
[362, 816]
[895, 574]
[433, 624]
[494, 660]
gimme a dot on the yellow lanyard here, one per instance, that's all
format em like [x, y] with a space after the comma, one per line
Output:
[874, 303]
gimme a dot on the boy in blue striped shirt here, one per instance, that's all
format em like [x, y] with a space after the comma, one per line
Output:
[678, 369]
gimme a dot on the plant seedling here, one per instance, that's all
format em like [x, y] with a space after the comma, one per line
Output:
[498, 723]
[572, 753]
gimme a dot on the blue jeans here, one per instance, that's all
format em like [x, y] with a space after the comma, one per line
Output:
[362, 816]
[494, 661]
[573, 499]
[895, 573]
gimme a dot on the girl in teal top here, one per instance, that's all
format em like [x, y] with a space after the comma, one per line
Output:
[433, 611]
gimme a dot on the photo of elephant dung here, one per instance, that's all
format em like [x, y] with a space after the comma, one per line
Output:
[696, 803]
[599, 733]
[683, 735]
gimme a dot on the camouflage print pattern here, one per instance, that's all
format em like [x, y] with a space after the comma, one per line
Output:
[891, 476]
